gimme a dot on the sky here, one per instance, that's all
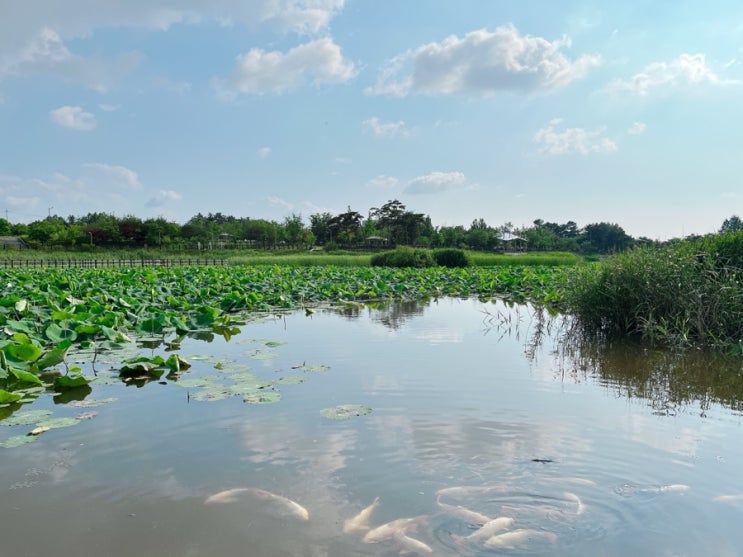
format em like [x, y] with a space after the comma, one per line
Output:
[623, 112]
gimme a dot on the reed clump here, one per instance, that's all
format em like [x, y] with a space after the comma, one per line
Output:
[680, 295]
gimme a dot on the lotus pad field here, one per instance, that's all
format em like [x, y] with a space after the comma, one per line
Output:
[47, 312]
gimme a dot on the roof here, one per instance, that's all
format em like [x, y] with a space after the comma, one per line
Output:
[508, 237]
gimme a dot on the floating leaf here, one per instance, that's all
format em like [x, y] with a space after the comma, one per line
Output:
[17, 441]
[86, 415]
[263, 355]
[345, 411]
[39, 430]
[266, 397]
[56, 423]
[275, 343]
[312, 367]
[26, 417]
[291, 380]
[90, 403]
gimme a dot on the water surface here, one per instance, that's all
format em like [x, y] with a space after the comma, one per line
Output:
[601, 451]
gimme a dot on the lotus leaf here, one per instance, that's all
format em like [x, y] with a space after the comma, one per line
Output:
[345, 411]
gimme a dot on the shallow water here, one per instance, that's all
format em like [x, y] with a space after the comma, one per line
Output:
[600, 451]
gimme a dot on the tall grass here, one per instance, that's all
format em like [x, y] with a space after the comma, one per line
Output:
[680, 295]
[302, 260]
[551, 258]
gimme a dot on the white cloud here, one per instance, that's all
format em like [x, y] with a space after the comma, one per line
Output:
[32, 34]
[163, 197]
[436, 182]
[483, 62]
[572, 140]
[111, 177]
[259, 71]
[278, 202]
[638, 128]
[73, 117]
[383, 181]
[384, 129]
[96, 187]
[263, 152]
[109, 107]
[46, 53]
[687, 69]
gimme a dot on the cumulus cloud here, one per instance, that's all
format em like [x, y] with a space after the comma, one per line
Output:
[436, 182]
[638, 128]
[259, 71]
[686, 70]
[263, 152]
[163, 197]
[383, 181]
[572, 140]
[483, 62]
[32, 34]
[111, 176]
[46, 53]
[73, 117]
[384, 129]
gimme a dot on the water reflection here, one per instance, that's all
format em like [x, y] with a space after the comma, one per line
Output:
[480, 412]
[671, 382]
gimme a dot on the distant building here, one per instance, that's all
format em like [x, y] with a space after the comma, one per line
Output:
[510, 243]
[13, 242]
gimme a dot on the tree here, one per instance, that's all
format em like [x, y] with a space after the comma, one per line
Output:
[320, 227]
[604, 237]
[733, 224]
[345, 228]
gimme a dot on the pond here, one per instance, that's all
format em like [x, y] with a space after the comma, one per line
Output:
[478, 411]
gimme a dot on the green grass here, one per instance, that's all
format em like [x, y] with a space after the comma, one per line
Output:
[551, 258]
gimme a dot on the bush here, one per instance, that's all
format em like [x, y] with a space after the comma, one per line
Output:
[403, 257]
[675, 295]
[726, 248]
[450, 257]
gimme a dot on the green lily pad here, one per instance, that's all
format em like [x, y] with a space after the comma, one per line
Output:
[210, 395]
[291, 380]
[90, 403]
[312, 367]
[266, 397]
[56, 423]
[263, 355]
[26, 417]
[345, 411]
[17, 441]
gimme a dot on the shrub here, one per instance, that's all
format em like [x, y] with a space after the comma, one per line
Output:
[450, 257]
[676, 295]
[403, 257]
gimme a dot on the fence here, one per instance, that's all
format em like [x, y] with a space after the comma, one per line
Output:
[105, 263]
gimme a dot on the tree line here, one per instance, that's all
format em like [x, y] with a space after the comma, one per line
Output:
[390, 225]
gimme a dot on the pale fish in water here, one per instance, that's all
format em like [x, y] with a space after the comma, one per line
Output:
[488, 530]
[473, 517]
[518, 538]
[360, 522]
[573, 497]
[388, 530]
[411, 545]
[276, 504]
[727, 499]
[465, 490]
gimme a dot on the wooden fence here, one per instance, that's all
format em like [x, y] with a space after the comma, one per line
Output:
[105, 263]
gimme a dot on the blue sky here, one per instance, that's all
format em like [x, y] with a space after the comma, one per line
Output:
[625, 112]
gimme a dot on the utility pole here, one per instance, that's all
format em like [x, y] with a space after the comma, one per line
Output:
[49, 212]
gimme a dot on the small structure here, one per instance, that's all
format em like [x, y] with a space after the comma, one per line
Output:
[13, 242]
[510, 243]
[376, 242]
